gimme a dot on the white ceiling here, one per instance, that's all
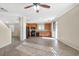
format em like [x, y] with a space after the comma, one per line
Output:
[15, 10]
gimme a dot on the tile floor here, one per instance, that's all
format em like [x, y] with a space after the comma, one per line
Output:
[37, 47]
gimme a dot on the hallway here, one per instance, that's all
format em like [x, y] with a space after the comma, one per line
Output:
[38, 47]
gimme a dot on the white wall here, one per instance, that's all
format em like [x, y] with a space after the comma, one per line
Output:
[16, 30]
[5, 35]
[22, 23]
[52, 31]
[68, 28]
[24, 27]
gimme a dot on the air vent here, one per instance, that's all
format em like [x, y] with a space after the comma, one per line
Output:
[3, 10]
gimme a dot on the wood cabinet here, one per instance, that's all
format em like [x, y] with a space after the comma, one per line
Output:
[31, 25]
[45, 34]
[48, 26]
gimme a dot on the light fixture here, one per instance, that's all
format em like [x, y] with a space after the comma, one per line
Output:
[36, 8]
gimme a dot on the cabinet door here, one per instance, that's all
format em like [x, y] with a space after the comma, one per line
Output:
[48, 26]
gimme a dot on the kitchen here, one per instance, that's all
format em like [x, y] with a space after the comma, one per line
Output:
[38, 30]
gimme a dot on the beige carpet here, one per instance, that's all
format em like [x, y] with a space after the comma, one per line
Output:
[32, 49]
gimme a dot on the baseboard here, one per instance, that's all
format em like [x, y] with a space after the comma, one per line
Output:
[3, 45]
[70, 44]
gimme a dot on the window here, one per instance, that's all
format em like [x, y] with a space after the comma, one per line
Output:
[41, 27]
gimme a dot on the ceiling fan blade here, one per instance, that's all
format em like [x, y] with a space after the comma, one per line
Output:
[44, 5]
[28, 6]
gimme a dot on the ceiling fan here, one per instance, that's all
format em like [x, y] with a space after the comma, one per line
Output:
[36, 5]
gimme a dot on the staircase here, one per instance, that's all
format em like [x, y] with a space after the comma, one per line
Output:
[5, 35]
